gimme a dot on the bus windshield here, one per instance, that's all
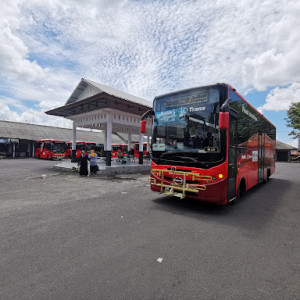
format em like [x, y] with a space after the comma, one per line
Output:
[90, 146]
[58, 147]
[116, 147]
[80, 146]
[186, 127]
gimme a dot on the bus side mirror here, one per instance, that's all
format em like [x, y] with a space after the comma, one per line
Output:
[143, 126]
[223, 120]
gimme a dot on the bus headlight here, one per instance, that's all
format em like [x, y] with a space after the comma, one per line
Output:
[221, 176]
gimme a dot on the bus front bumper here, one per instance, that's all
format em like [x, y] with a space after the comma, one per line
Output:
[204, 190]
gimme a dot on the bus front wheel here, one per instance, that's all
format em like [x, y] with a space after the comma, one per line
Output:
[240, 192]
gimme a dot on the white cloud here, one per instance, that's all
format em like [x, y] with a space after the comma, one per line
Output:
[13, 52]
[33, 116]
[278, 62]
[282, 98]
[147, 47]
[15, 110]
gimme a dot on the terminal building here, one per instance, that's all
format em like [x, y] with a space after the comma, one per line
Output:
[18, 139]
[284, 152]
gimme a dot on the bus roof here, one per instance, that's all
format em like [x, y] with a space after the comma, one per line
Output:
[81, 142]
[50, 140]
[229, 86]
[191, 89]
[213, 85]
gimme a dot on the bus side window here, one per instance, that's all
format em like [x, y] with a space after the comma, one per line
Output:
[232, 132]
[47, 145]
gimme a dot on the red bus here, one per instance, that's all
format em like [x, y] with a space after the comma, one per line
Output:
[210, 144]
[100, 150]
[50, 149]
[115, 148]
[137, 147]
[86, 146]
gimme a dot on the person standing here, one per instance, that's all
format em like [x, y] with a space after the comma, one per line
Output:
[93, 160]
[120, 154]
[83, 163]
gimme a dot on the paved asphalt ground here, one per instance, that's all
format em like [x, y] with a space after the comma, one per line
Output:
[66, 237]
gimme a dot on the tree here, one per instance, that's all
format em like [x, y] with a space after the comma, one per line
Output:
[293, 119]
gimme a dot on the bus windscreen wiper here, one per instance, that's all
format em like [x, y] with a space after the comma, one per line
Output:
[162, 156]
[186, 158]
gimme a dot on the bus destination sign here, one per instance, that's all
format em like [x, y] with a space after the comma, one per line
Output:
[199, 98]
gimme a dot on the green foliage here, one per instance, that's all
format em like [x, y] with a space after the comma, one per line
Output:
[293, 119]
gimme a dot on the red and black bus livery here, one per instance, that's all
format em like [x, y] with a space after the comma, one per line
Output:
[115, 148]
[210, 144]
[50, 149]
[80, 145]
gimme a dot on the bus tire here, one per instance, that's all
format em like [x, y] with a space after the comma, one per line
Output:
[240, 192]
[268, 176]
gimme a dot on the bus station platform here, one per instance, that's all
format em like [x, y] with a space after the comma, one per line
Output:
[117, 166]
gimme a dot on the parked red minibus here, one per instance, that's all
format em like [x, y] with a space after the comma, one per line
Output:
[80, 145]
[50, 149]
[115, 148]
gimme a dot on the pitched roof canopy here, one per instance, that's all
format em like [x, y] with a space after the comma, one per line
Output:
[90, 95]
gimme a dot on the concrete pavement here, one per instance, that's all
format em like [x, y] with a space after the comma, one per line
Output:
[67, 237]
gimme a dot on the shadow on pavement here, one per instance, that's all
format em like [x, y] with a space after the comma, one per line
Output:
[252, 212]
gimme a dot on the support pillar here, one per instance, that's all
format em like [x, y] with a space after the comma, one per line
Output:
[129, 142]
[148, 144]
[74, 143]
[141, 149]
[28, 149]
[108, 140]
[105, 142]
[33, 149]
[14, 149]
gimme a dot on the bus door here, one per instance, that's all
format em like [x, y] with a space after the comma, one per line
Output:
[261, 154]
[232, 159]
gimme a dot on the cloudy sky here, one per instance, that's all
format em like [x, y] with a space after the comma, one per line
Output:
[147, 48]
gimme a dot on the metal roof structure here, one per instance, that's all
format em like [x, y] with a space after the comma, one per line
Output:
[14, 130]
[283, 146]
[89, 96]
[99, 88]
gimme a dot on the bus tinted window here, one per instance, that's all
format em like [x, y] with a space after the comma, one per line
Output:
[47, 145]
[80, 146]
[90, 146]
[188, 122]
[58, 147]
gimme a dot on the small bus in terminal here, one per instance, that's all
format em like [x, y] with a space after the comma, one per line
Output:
[50, 149]
[80, 145]
[115, 148]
